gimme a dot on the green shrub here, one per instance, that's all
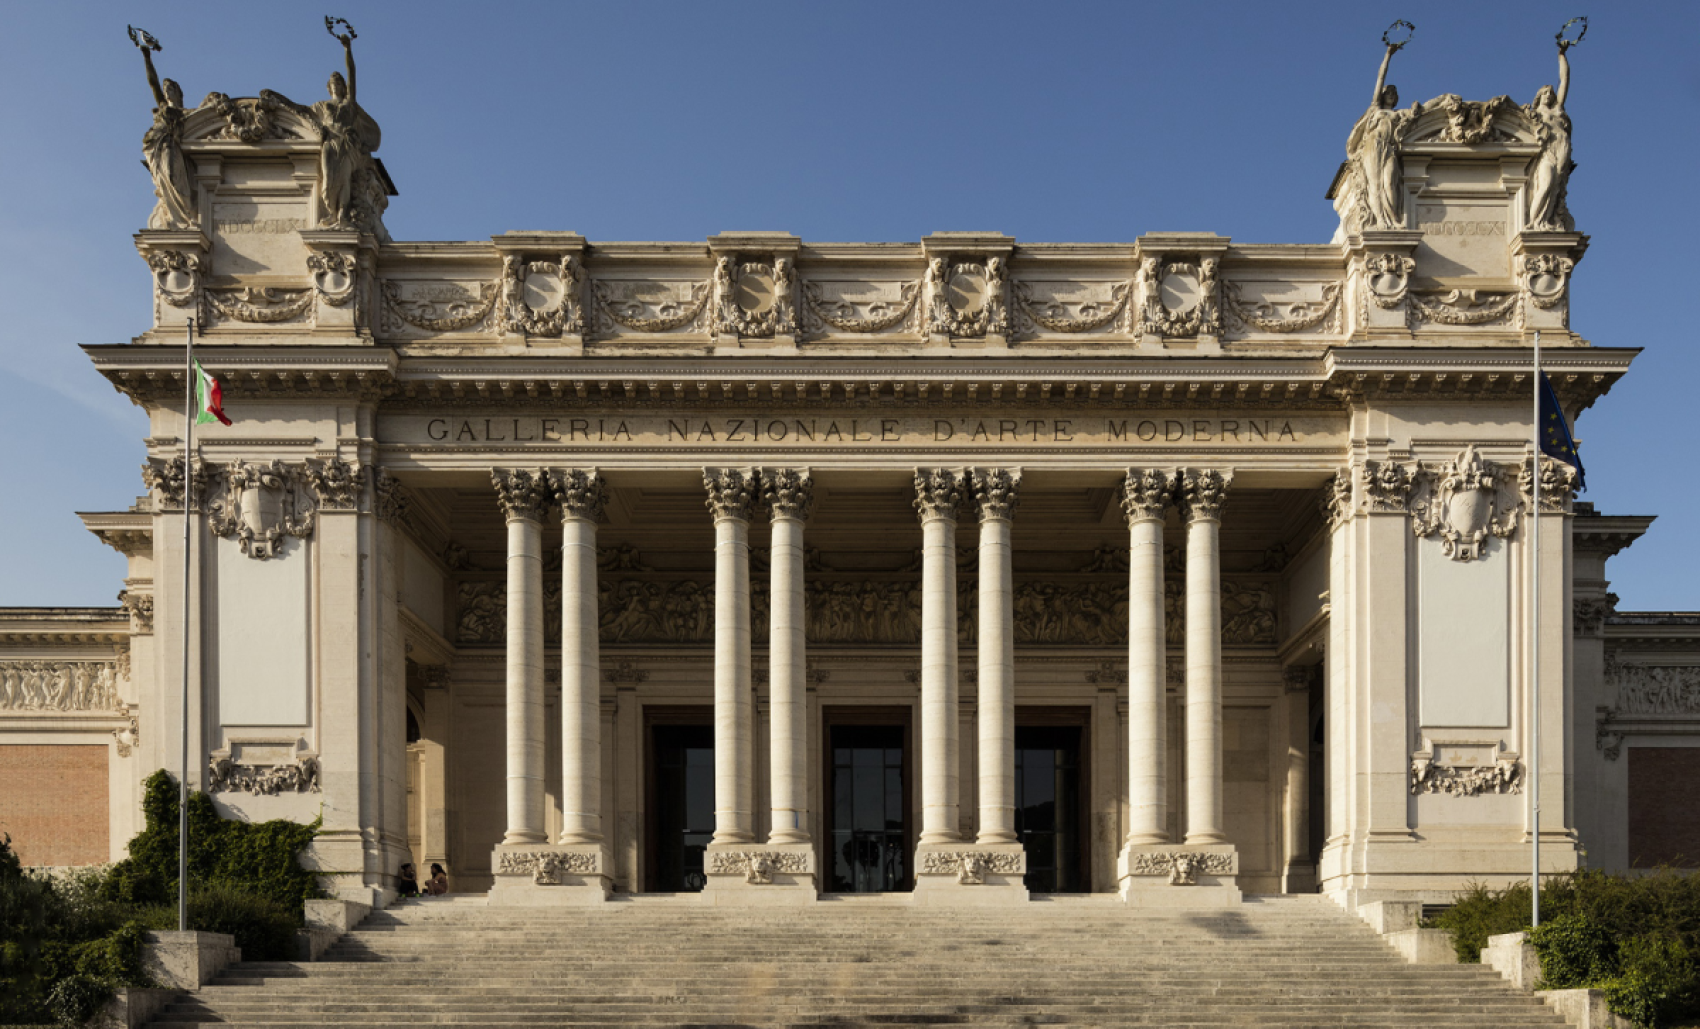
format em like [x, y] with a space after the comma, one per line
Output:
[26, 911]
[77, 998]
[1635, 937]
[264, 926]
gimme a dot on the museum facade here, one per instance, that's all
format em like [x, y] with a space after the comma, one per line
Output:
[973, 568]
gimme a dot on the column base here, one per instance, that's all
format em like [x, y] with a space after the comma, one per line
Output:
[549, 875]
[1174, 875]
[760, 874]
[970, 874]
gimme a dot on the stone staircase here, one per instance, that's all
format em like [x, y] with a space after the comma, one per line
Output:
[662, 961]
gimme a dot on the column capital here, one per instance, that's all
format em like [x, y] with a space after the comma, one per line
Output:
[788, 492]
[581, 492]
[731, 492]
[1204, 492]
[390, 499]
[996, 492]
[1387, 486]
[1147, 493]
[523, 494]
[939, 492]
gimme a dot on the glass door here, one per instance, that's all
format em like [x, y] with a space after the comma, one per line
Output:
[682, 806]
[869, 830]
[1048, 816]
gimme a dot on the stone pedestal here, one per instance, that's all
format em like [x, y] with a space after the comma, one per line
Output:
[536, 875]
[1179, 877]
[761, 875]
[970, 874]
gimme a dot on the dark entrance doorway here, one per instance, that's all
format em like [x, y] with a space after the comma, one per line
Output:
[1050, 806]
[681, 804]
[868, 842]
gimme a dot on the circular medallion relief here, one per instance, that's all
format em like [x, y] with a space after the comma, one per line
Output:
[177, 281]
[542, 289]
[754, 294]
[1180, 288]
[1546, 284]
[965, 292]
[1387, 283]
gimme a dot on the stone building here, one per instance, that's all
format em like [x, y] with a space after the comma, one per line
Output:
[1180, 568]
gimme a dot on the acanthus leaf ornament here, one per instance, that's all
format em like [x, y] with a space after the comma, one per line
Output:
[1558, 485]
[1589, 614]
[390, 499]
[164, 478]
[522, 493]
[996, 492]
[139, 606]
[1462, 502]
[1203, 493]
[580, 492]
[337, 483]
[939, 492]
[1147, 493]
[261, 505]
[1387, 486]
[732, 492]
[788, 492]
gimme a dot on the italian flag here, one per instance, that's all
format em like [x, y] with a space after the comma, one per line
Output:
[209, 398]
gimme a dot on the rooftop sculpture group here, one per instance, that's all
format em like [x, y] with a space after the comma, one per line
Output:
[1373, 197]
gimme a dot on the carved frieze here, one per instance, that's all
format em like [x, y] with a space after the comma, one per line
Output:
[259, 506]
[860, 307]
[59, 686]
[1430, 776]
[1070, 307]
[1460, 307]
[757, 866]
[543, 298]
[298, 776]
[1465, 502]
[1284, 316]
[545, 867]
[1183, 867]
[1654, 689]
[257, 305]
[644, 305]
[967, 298]
[972, 866]
[436, 306]
[1178, 298]
[337, 483]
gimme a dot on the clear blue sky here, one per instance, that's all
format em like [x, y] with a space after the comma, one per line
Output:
[836, 121]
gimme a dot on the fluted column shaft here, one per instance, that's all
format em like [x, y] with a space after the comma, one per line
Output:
[1203, 493]
[582, 496]
[995, 496]
[1146, 493]
[524, 497]
[938, 495]
[789, 494]
[731, 497]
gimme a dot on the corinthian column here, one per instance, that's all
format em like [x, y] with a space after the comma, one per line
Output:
[525, 498]
[995, 495]
[1202, 495]
[582, 495]
[789, 494]
[938, 495]
[1146, 494]
[731, 496]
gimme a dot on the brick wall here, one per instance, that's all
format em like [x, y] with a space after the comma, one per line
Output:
[1664, 806]
[53, 802]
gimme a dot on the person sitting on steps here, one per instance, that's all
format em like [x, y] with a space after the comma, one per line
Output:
[407, 881]
[438, 884]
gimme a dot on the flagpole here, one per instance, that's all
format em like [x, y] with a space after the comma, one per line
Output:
[188, 509]
[1535, 658]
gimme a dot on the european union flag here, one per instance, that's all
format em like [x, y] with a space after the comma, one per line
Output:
[1554, 432]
